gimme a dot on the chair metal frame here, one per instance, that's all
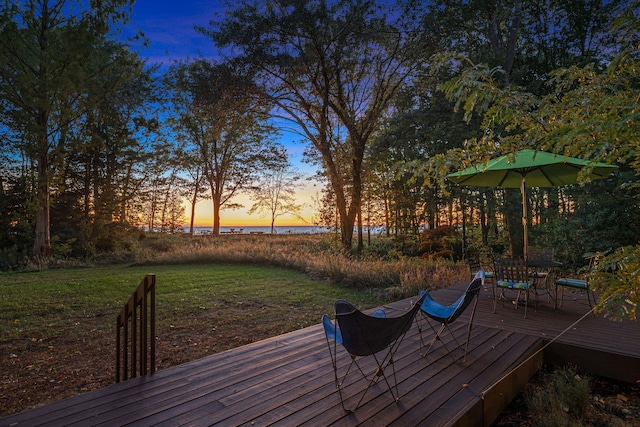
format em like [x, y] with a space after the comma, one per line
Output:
[542, 274]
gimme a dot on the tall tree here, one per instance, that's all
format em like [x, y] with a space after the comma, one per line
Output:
[326, 63]
[47, 59]
[195, 182]
[222, 114]
[275, 192]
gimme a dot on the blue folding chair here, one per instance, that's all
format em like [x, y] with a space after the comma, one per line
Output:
[446, 315]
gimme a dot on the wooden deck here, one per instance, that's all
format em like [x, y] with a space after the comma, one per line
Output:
[288, 380]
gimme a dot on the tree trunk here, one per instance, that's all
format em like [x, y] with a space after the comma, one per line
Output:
[484, 220]
[216, 214]
[360, 237]
[193, 211]
[42, 242]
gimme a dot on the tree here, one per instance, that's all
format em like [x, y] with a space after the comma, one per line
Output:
[220, 112]
[48, 52]
[195, 181]
[332, 68]
[587, 111]
[422, 126]
[274, 193]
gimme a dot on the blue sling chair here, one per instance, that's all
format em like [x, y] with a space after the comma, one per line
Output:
[445, 315]
[363, 335]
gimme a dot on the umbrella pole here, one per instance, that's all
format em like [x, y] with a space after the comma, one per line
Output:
[523, 190]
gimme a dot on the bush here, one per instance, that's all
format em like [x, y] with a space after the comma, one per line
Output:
[561, 400]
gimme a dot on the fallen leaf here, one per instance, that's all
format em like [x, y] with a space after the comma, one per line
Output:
[622, 397]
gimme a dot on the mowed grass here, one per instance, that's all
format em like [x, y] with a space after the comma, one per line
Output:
[37, 304]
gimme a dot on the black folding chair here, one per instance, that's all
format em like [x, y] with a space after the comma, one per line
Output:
[363, 335]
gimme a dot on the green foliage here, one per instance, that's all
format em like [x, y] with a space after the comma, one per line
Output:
[604, 216]
[617, 280]
[54, 55]
[561, 400]
[17, 213]
[584, 106]
[333, 69]
[382, 248]
[438, 242]
[220, 114]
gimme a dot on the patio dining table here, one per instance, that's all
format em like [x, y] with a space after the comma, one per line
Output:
[541, 270]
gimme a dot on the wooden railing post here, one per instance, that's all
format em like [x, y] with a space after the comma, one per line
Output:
[136, 331]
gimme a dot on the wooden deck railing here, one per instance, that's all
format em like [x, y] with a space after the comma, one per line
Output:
[136, 330]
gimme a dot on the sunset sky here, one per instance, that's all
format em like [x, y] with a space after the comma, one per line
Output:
[169, 27]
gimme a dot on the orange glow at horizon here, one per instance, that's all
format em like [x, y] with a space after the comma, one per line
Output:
[240, 218]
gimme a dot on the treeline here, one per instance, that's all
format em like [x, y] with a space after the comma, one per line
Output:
[389, 98]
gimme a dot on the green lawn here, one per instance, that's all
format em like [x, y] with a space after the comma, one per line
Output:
[32, 302]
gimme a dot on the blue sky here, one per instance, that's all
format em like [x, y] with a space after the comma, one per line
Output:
[169, 27]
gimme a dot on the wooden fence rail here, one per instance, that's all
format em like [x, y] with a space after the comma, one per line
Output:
[136, 331]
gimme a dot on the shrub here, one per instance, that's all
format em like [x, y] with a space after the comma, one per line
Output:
[561, 400]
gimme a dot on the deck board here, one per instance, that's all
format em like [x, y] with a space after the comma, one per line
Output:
[288, 379]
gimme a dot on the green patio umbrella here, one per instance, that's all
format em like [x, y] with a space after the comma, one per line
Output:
[529, 167]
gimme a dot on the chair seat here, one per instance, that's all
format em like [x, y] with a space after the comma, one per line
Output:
[438, 311]
[487, 275]
[514, 285]
[572, 283]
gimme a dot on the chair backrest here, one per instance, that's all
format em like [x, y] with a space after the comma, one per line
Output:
[543, 254]
[512, 269]
[363, 335]
[470, 293]
[474, 266]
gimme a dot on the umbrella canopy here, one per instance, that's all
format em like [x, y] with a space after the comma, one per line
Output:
[529, 167]
[539, 168]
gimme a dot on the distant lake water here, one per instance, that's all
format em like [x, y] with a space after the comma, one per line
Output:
[296, 229]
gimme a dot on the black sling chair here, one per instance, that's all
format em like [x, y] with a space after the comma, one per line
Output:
[363, 335]
[445, 315]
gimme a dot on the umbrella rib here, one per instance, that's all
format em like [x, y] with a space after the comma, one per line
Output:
[504, 177]
[548, 178]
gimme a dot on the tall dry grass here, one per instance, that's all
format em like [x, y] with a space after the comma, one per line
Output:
[318, 255]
